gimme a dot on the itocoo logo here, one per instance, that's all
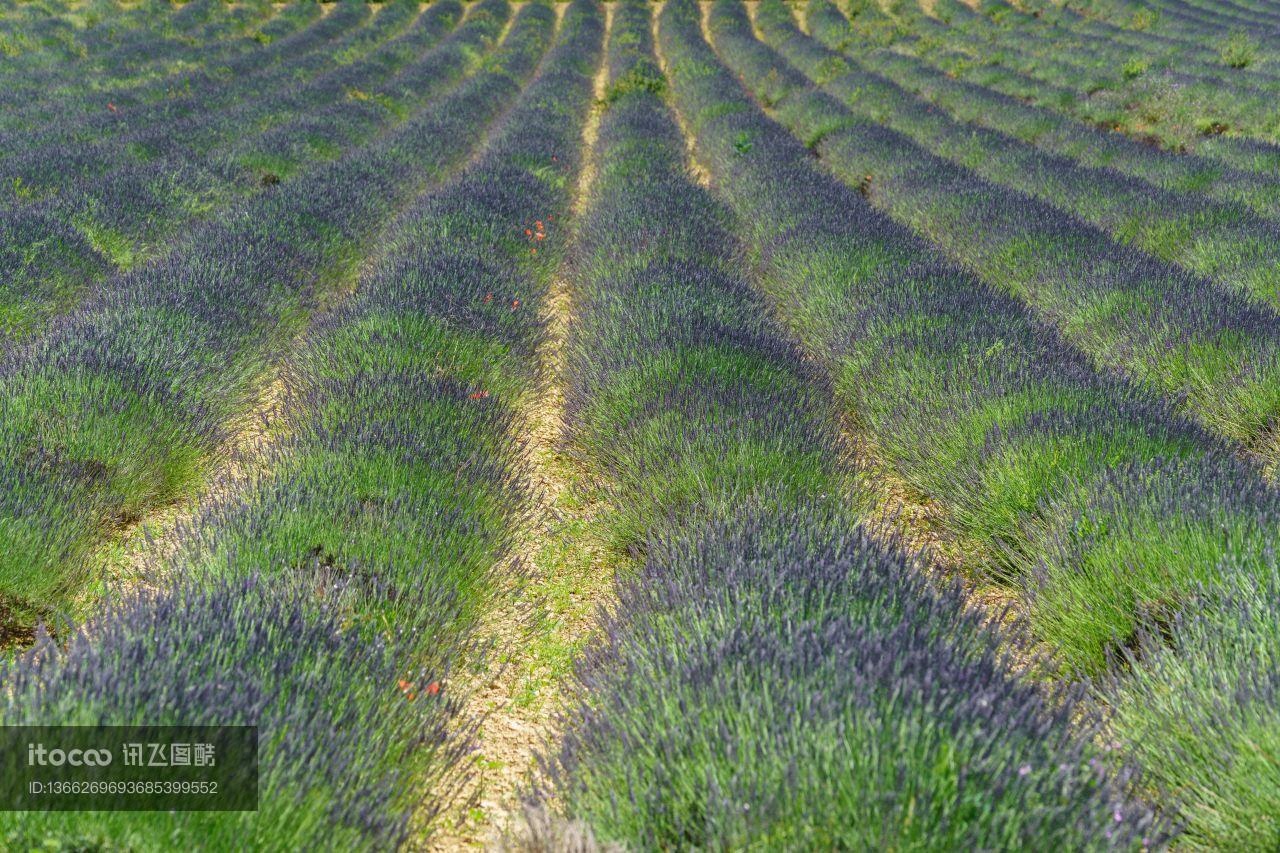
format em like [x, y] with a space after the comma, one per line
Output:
[38, 755]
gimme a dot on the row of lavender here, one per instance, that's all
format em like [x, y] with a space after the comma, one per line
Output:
[1121, 525]
[772, 676]
[73, 226]
[124, 403]
[326, 600]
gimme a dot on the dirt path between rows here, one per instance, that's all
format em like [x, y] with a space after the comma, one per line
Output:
[547, 610]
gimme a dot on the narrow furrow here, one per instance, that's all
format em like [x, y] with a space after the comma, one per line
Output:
[541, 616]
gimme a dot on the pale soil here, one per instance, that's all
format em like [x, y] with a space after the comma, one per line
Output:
[1265, 452]
[546, 612]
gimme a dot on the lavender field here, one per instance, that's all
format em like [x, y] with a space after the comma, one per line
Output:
[648, 424]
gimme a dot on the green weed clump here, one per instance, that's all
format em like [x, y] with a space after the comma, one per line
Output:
[1239, 50]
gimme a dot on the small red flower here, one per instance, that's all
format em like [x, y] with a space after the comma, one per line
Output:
[478, 395]
[538, 225]
[488, 297]
[515, 303]
[433, 688]
[528, 233]
[539, 236]
[112, 107]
